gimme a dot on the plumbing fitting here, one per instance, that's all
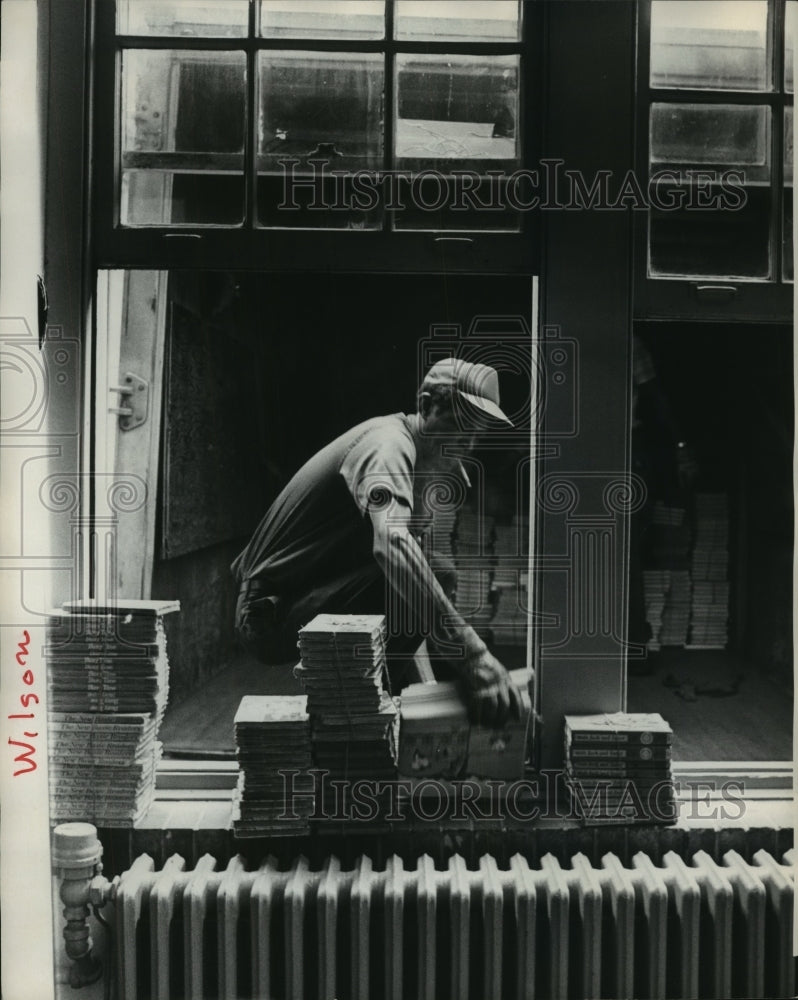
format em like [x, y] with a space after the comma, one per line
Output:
[76, 861]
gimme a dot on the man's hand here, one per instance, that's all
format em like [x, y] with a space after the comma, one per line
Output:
[492, 698]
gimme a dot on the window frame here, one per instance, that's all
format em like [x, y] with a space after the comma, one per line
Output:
[768, 300]
[264, 249]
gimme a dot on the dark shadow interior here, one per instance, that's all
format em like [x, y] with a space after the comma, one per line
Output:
[288, 362]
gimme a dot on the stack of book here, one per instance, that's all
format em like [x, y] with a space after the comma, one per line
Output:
[668, 541]
[711, 542]
[108, 680]
[676, 613]
[362, 747]
[444, 522]
[656, 584]
[710, 564]
[663, 514]
[353, 718]
[474, 561]
[618, 767]
[272, 736]
[509, 581]
[437, 741]
[709, 622]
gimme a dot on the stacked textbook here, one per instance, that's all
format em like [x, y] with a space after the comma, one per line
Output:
[353, 719]
[509, 622]
[474, 562]
[108, 683]
[710, 564]
[676, 613]
[618, 767]
[272, 736]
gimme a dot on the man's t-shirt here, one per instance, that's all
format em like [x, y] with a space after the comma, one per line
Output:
[318, 527]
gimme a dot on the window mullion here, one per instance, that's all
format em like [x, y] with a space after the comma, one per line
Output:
[686, 95]
[250, 136]
[776, 15]
[776, 40]
[389, 106]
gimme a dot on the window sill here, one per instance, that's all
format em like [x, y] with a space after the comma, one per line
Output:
[197, 795]
[192, 816]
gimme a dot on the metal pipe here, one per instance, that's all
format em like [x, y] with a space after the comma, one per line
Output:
[76, 861]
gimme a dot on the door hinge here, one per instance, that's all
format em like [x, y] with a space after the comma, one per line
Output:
[134, 396]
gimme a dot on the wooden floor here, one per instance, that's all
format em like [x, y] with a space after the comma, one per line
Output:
[753, 724]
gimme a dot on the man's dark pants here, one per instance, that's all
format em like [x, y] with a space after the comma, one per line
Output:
[267, 625]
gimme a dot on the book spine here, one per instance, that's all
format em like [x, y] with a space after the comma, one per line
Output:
[625, 753]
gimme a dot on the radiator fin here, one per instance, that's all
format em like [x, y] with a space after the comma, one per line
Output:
[677, 929]
[426, 912]
[684, 917]
[131, 902]
[165, 900]
[748, 943]
[585, 905]
[779, 964]
[555, 897]
[618, 928]
[197, 895]
[394, 908]
[460, 917]
[715, 931]
[651, 927]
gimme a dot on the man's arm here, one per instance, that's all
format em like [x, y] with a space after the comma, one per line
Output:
[491, 696]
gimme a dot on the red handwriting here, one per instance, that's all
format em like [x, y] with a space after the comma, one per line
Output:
[27, 755]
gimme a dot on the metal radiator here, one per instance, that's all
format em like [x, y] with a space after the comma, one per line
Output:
[697, 929]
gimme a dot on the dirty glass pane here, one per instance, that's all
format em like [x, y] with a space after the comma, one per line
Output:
[721, 135]
[186, 18]
[790, 15]
[703, 221]
[182, 136]
[456, 123]
[167, 197]
[320, 113]
[445, 20]
[457, 111]
[787, 233]
[714, 44]
[345, 19]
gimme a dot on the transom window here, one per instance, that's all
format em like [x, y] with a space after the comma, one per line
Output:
[717, 119]
[308, 115]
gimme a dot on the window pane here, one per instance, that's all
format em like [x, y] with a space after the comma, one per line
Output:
[707, 230]
[721, 135]
[188, 18]
[787, 235]
[445, 20]
[320, 112]
[456, 116]
[322, 18]
[168, 197]
[714, 44]
[183, 100]
[456, 111]
[702, 222]
[182, 136]
[790, 15]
